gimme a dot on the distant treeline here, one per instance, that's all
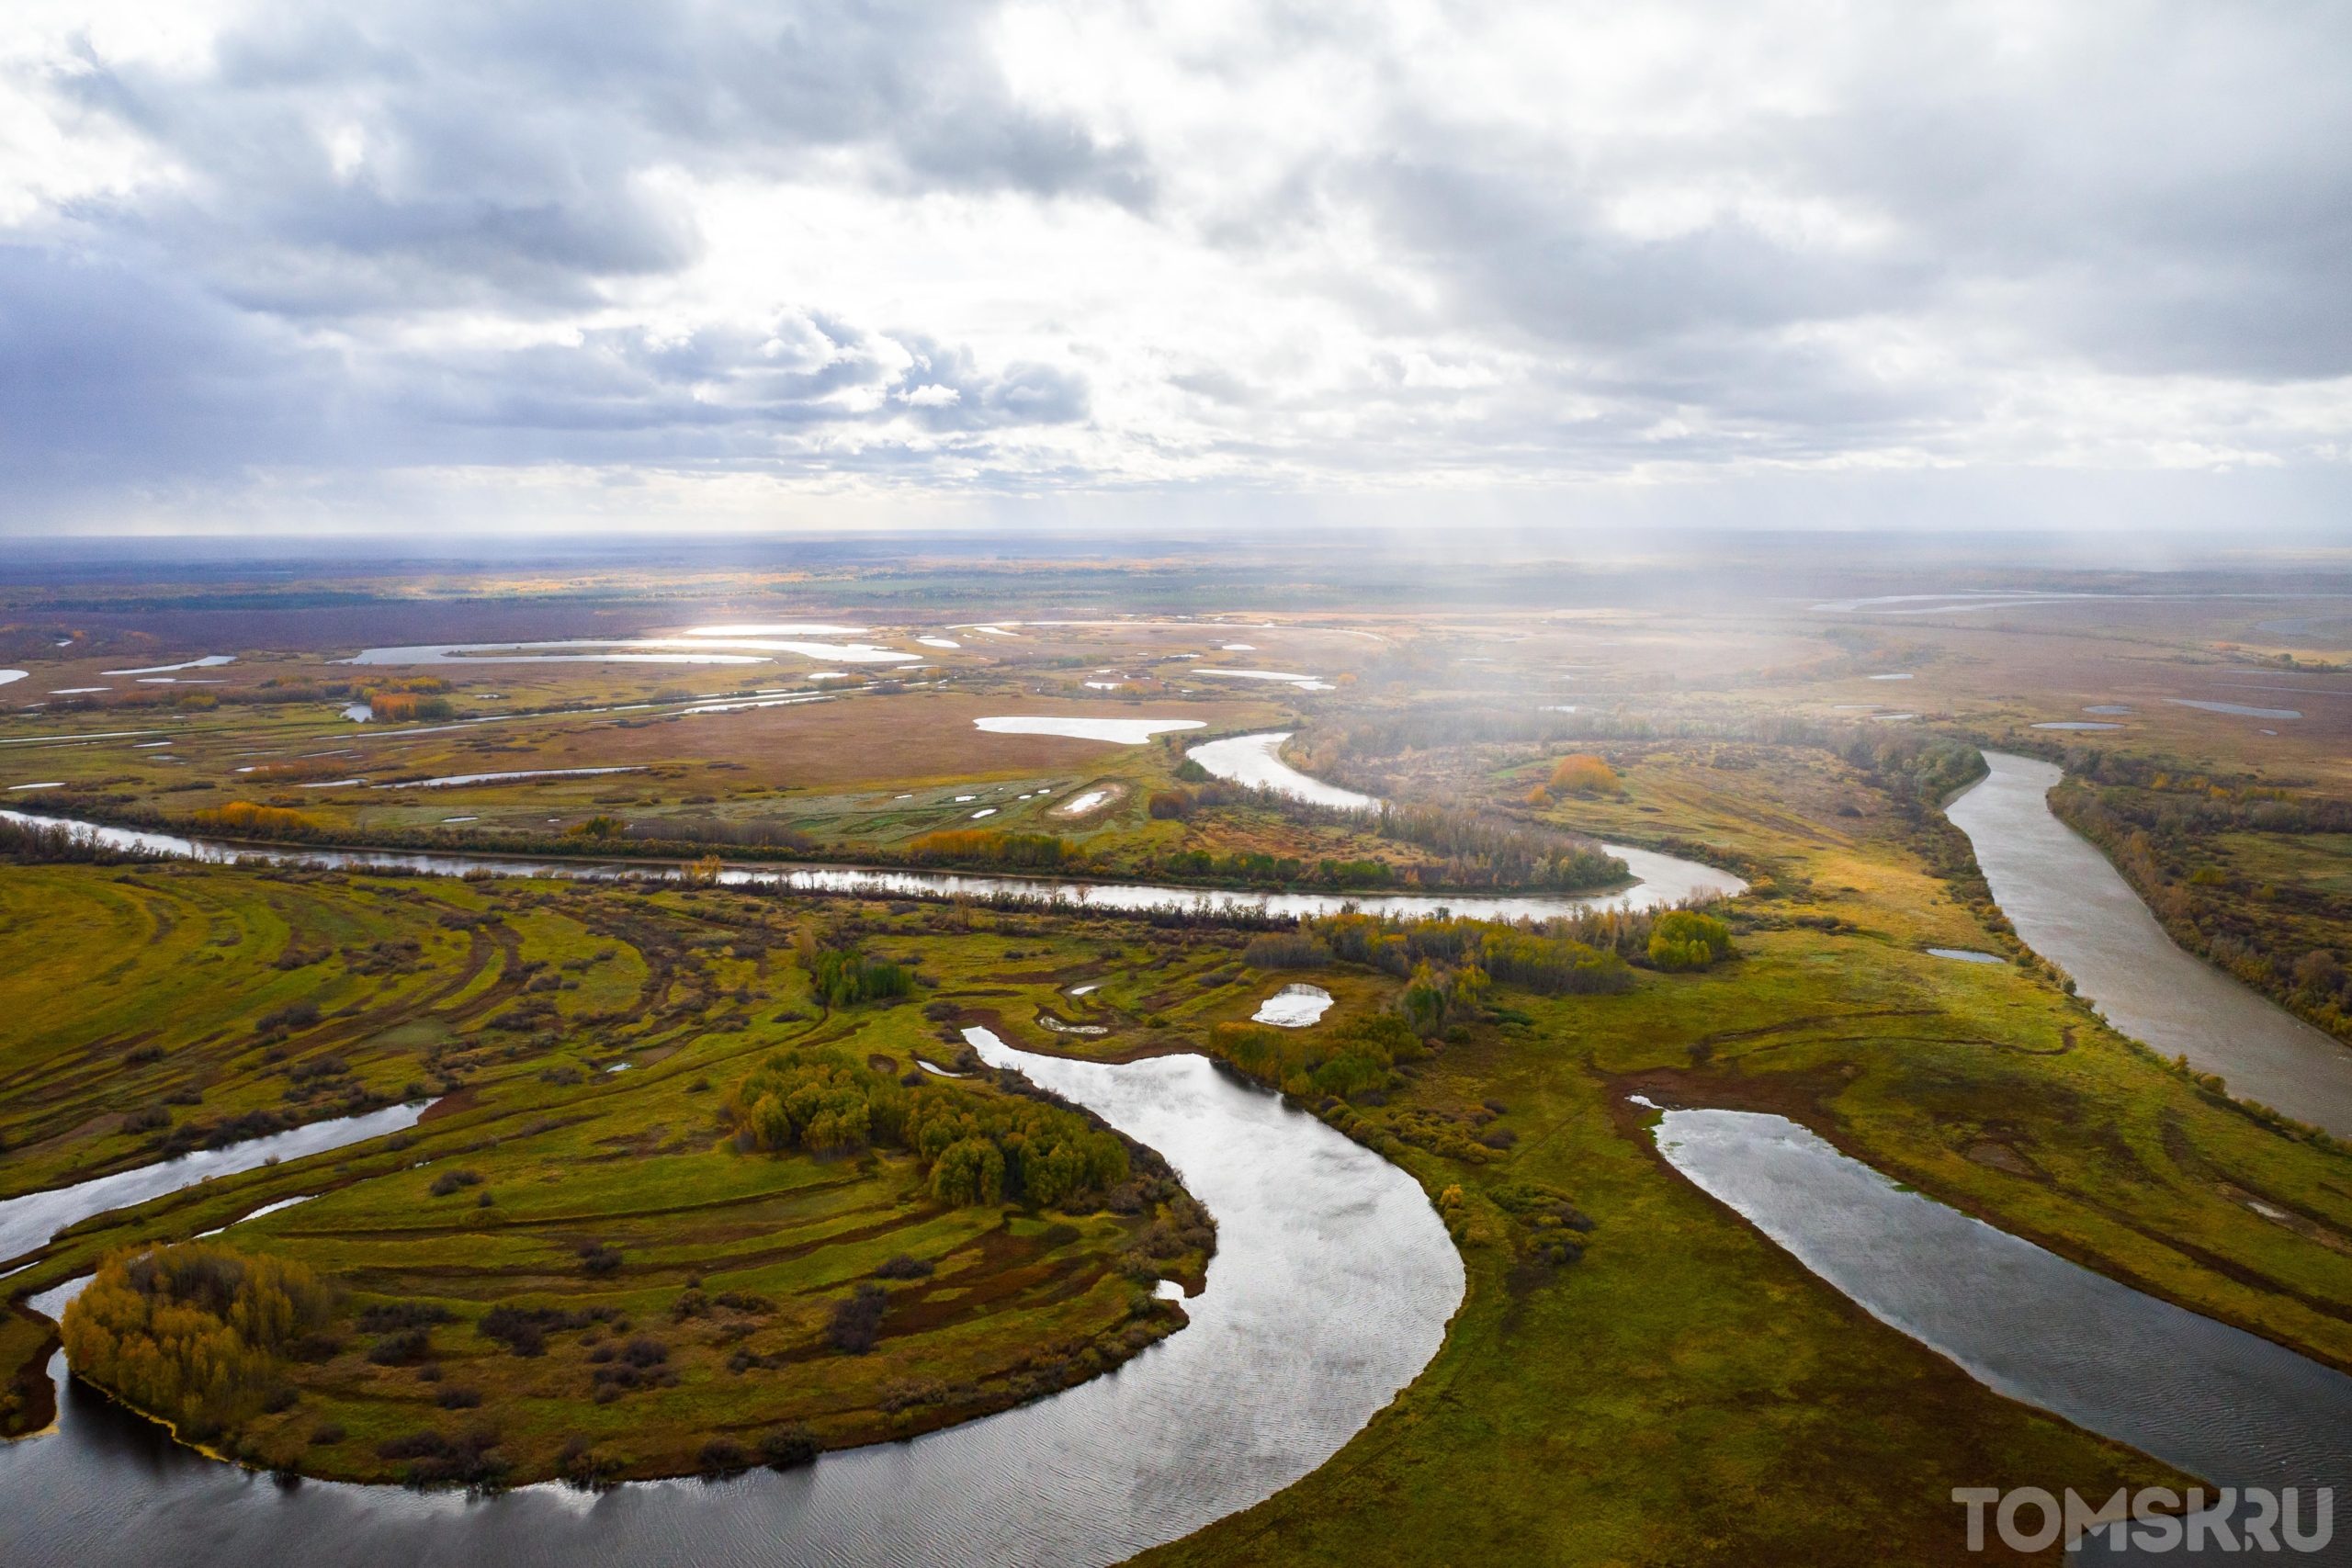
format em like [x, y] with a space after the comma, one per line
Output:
[56, 843]
[1480, 851]
[1484, 852]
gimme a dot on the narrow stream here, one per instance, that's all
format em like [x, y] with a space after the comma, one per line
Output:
[2074, 908]
[1330, 1290]
[1665, 880]
[29, 1221]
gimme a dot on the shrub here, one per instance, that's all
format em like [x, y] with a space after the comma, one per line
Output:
[403, 1314]
[1286, 950]
[435, 1460]
[903, 1267]
[399, 1350]
[723, 1456]
[293, 1015]
[399, 706]
[191, 1333]
[518, 1331]
[598, 1259]
[857, 1321]
[1683, 938]
[1582, 774]
[245, 817]
[458, 1399]
[449, 1181]
[788, 1447]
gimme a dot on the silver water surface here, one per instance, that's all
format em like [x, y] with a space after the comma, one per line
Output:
[2213, 1400]
[29, 1221]
[1330, 1290]
[2074, 908]
[1665, 880]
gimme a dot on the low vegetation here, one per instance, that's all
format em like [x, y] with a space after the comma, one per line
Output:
[195, 1334]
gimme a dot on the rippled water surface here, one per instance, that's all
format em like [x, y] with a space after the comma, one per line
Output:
[1330, 1290]
[2074, 908]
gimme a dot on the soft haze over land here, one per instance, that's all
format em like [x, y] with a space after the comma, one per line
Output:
[812, 265]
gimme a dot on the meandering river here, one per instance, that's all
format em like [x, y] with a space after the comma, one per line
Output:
[1663, 879]
[1330, 1290]
[2074, 908]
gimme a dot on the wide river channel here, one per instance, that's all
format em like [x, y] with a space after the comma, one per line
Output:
[2074, 908]
[2217, 1402]
[1330, 1290]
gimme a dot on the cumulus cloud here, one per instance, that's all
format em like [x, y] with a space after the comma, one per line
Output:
[1007, 248]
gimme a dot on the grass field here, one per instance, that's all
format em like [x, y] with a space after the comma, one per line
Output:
[583, 1038]
[1684, 1392]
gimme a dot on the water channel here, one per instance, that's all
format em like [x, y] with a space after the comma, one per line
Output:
[28, 1221]
[2074, 908]
[2215, 1401]
[1663, 879]
[1330, 1290]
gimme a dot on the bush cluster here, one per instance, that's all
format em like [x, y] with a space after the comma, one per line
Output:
[1684, 939]
[977, 1148]
[191, 1333]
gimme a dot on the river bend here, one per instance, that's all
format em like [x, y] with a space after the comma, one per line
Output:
[1331, 1289]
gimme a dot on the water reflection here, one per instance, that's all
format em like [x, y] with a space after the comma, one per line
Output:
[2074, 908]
[2213, 1400]
[1331, 1290]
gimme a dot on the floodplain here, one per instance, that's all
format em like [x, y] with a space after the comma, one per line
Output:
[1635, 1372]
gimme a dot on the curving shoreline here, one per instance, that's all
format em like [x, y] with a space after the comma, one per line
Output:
[1664, 879]
[2069, 904]
[1332, 1288]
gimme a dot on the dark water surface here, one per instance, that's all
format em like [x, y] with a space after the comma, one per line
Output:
[1330, 1290]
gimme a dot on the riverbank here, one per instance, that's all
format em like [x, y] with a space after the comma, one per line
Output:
[1657, 878]
[1688, 1385]
[2070, 905]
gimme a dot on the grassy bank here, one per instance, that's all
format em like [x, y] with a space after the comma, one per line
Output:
[1685, 1392]
[583, 1167]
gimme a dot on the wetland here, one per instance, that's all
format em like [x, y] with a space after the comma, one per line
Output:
[1059, 1106]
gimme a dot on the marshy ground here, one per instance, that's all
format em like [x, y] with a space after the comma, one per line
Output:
[1682, 1391]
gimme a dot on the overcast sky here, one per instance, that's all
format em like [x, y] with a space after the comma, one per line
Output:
[838, 265]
